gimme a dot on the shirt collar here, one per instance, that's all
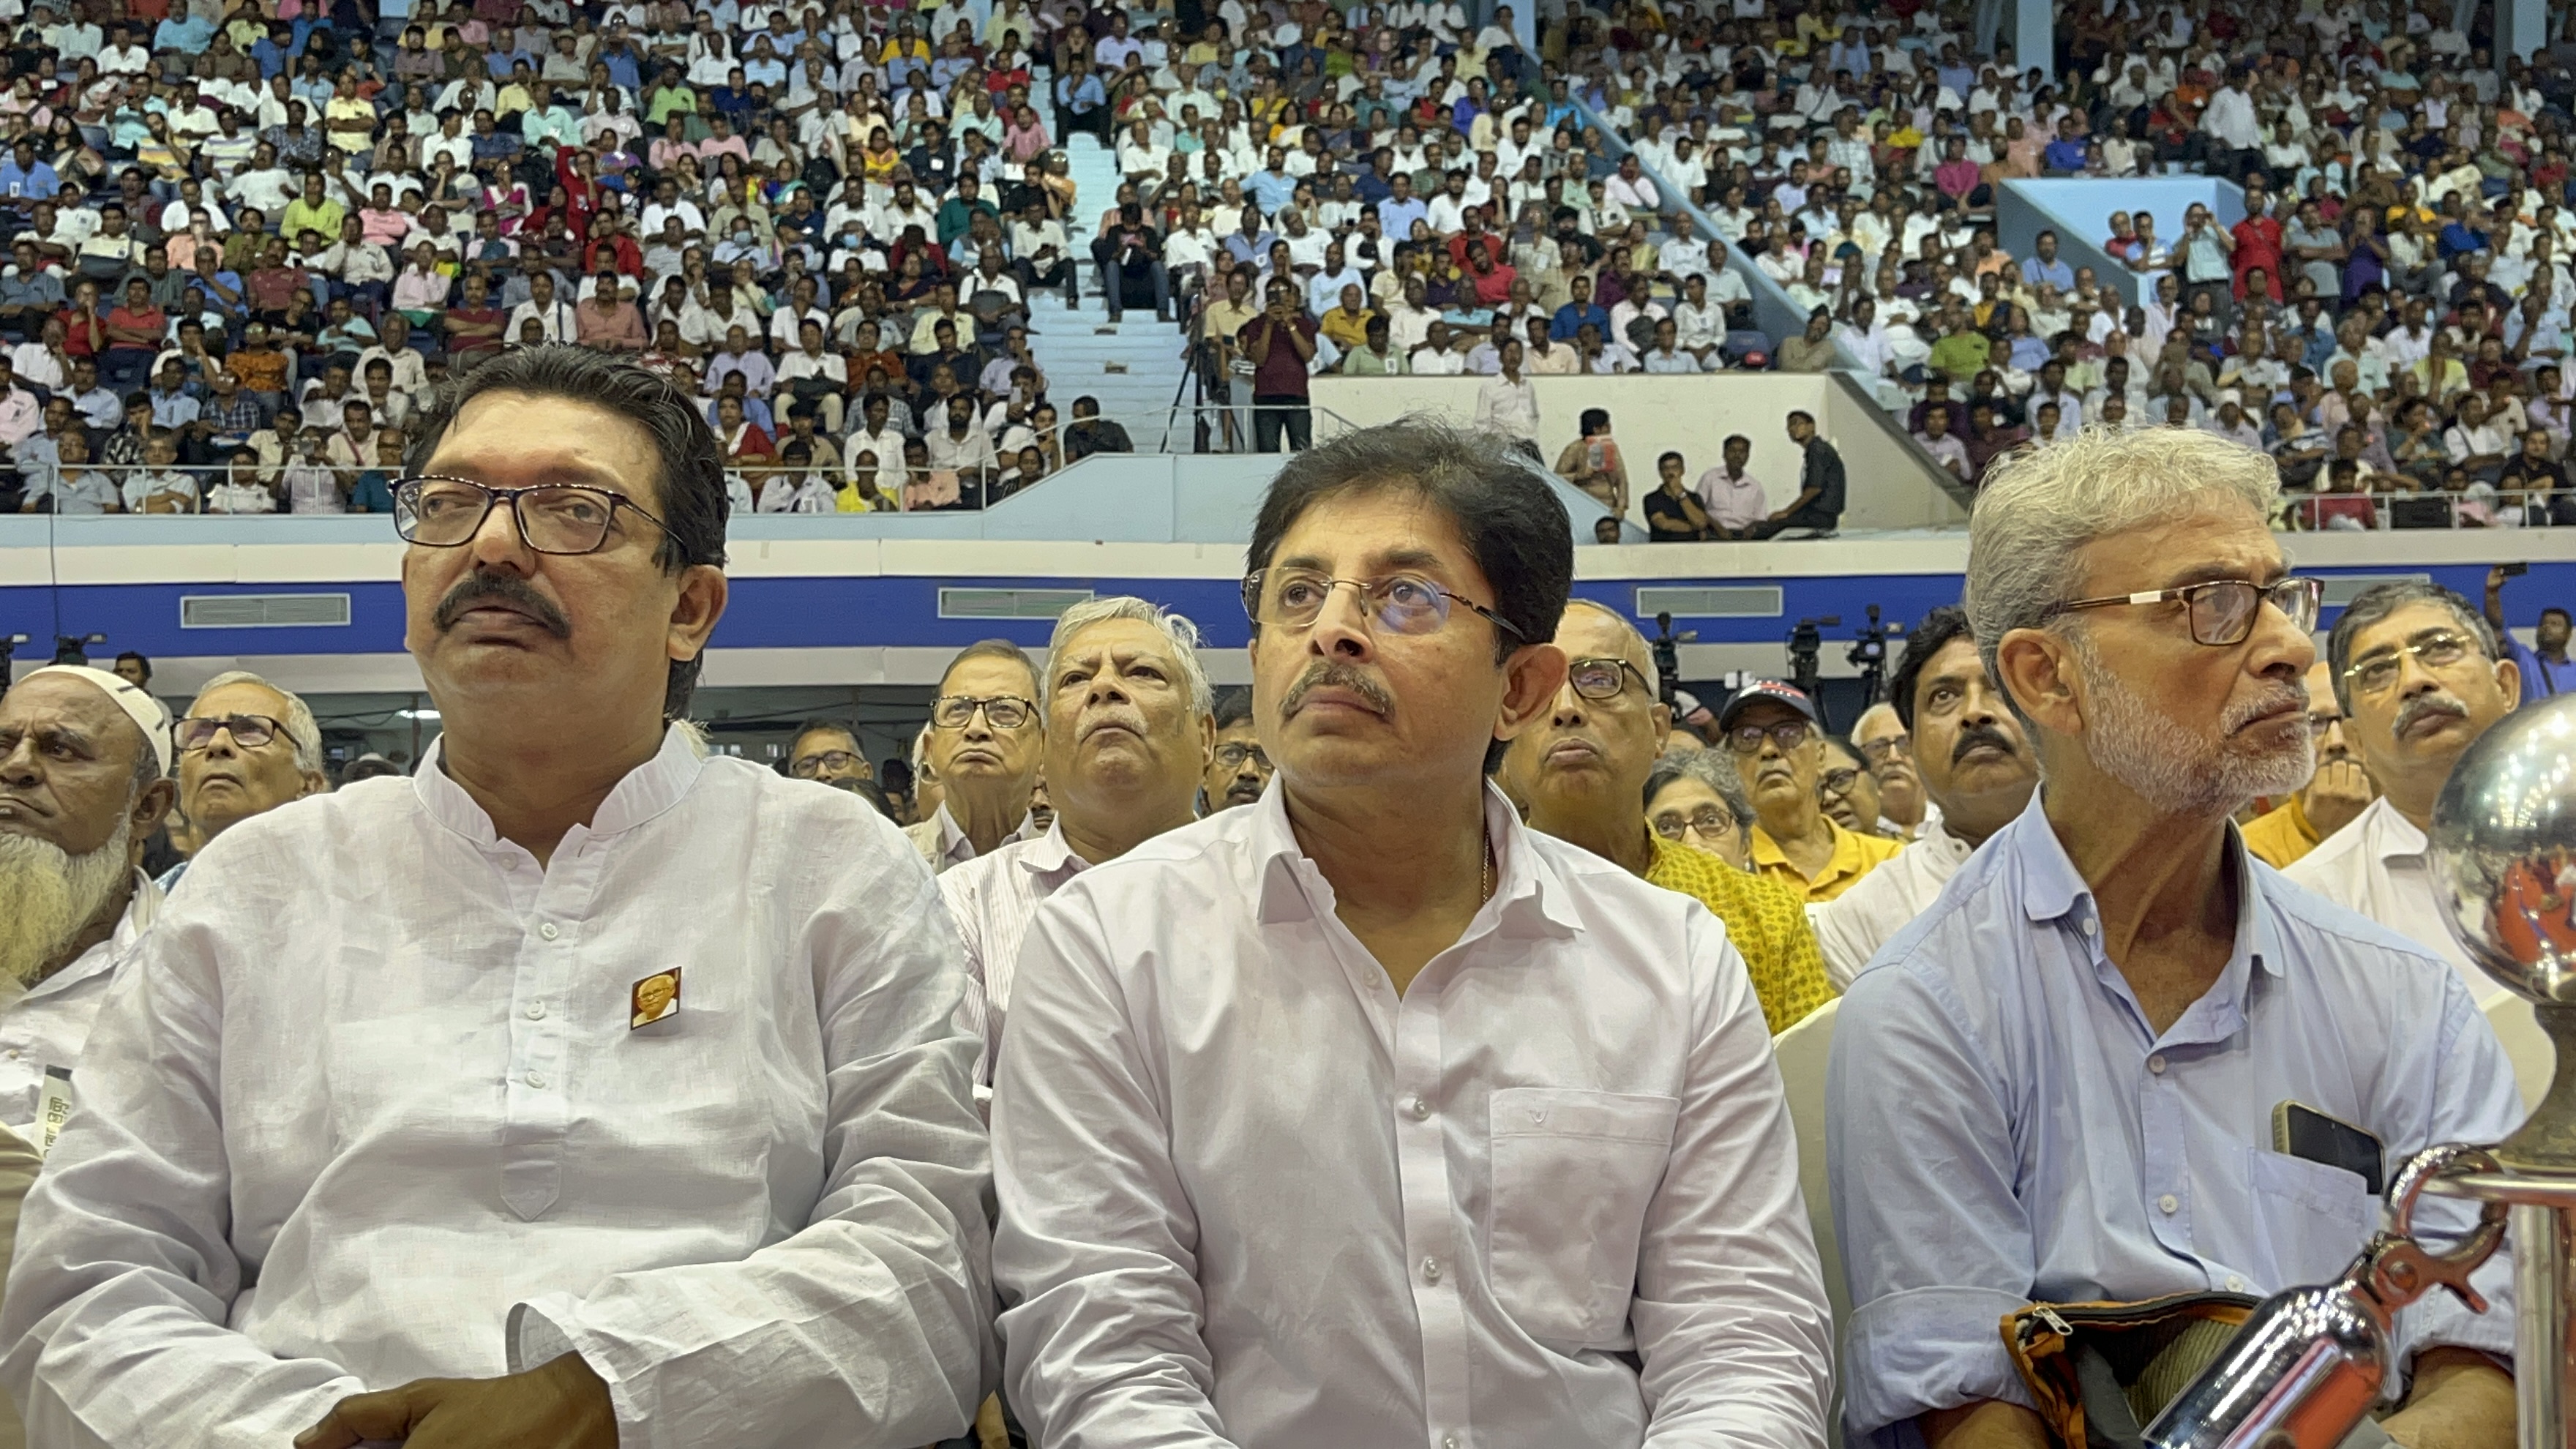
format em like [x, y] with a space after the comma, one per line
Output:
[2392, 836]
[648, 790]
[1051, 855]
[954, 844]
[2052, 889]
[1528, 890]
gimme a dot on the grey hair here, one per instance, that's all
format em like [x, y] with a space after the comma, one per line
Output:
[1176, 629]
[2373, 605]
[301, 731]
[1710, 768]
[2039, 509]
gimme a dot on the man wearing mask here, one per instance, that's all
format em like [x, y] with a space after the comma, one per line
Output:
[245, 748]
[1238, 771]
[520, 996]
[2058, 1084]
[2338, 791]
[1127, 739]
[1771, 727]
[1375, 1022]
[2419, 676]
[84, 756]
[1975, 765]
[1881, 738]
[1584, 767]
[985, 745]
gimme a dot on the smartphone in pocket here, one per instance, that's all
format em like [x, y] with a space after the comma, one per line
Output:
[2301, 1131]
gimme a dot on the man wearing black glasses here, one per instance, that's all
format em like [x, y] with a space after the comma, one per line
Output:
[2420, 674]
[826, 751]
[245, 748]
[1366, 1115]
[985, 747]
[1239, 771]
[2060, 1084]
[582, 1089]
[1584, 768]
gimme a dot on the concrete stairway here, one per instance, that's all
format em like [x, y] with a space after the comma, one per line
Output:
[1132, 368]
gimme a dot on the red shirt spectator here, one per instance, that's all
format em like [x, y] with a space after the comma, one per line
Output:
[2258, 244]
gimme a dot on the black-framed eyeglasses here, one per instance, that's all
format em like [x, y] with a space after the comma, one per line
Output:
[557, 518]
[1711, 821]
[1231, 757]
[809, 766]
[1888, 747]
[1788, 734]
[249, 731]
[1604, 678]
[1403, 603]
[1837, 782]
[2434, 649]
[2222, 611]
[1001, 711]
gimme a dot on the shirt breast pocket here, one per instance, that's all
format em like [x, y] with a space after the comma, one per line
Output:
[1573, 1172]
[2313, 1217]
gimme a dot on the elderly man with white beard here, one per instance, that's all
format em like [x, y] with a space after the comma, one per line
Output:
[84, 766]
[2058, 1084]
[1129, 731]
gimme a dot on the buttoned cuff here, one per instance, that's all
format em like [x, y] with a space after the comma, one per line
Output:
[1924, 1349]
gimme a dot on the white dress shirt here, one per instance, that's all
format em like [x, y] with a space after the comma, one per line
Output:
[373, 1110]
[2379, 865]
[1253, 1196]
[1852, 926]
[992, 898]
[42, 1027]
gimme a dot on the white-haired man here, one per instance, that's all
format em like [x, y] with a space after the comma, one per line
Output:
[245, 748]
[1129, 731]
[2059, 1083]
[1885, 741]
[84, 760]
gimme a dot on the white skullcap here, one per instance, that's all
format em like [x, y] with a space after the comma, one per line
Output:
[149, 715]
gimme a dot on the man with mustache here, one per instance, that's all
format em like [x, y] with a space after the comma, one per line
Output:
[1367, 1115]
[1780, 753]
[1127, 738]
[1976, 769]
[2058, 1084]
[378, 1147]
[2420, 675]
[1881, 738]
[1584, 768]
[984, 746]
[1238, 771]
[245, 748]
[84, 760]
[2338, 791]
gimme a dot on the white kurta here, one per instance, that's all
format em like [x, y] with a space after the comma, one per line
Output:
[2381, 866]
[1251, 1196]
[43, 1027]
[1852, 926]
[372, 1110]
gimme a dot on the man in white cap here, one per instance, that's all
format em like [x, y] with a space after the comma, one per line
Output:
[84, 781]
[84, 767]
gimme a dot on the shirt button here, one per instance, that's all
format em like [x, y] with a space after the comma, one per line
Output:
[2156, 1064]
[538, 1081]
[536, 1011]
[1418, 1107]
[2169, 1204]
[1431, 1270]
[2235, 1284]
[2091, 926]
[1448, 1441]
[548, 931]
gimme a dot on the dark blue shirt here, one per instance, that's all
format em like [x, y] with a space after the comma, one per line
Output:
[1571, 317]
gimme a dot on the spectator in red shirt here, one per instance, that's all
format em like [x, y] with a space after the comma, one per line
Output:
[2258, 241]
[135, 330]
[1281, 341]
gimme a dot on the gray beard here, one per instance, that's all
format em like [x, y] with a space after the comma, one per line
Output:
[2175, 771]
[53, 897]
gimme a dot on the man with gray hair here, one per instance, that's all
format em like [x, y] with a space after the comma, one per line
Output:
[84, 761]
[2058, 1084]
[1130, 729]
[245, 748]
[84, 757]
[983, 748]
[2419, 675]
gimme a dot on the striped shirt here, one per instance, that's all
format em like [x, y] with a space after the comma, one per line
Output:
[992, 897]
